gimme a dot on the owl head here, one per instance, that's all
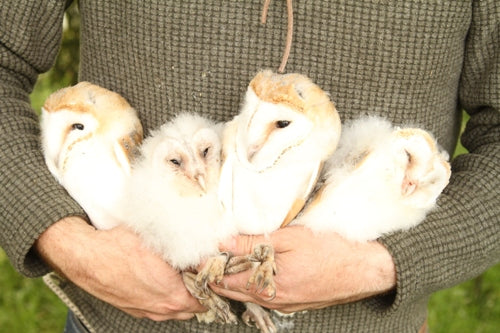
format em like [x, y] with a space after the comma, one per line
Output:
[77, 120]
[426, 166]
[185, 152]
[285, 113]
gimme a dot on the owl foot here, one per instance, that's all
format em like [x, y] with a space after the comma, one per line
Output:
[239, 264]
[218, 308]
[255, 314]
[213, 271]
[263, 274]
[262, 277]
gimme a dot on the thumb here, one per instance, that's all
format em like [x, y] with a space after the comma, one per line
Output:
[243, 244]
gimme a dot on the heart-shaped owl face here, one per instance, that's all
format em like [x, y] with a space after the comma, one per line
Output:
[185, 152]
[76, 119]
[285, 114]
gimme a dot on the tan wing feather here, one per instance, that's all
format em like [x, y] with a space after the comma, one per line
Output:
[299, 203]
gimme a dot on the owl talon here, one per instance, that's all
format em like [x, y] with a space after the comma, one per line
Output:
[218, 308]
[255, 314]
[213, 271]
[263, 274]
[190, 283]
[238, 264]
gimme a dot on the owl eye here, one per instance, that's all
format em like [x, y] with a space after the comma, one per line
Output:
[175, 162]
[205, 152]
[77, 126]
[282, 123]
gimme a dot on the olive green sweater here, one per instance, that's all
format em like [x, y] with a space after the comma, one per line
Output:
[416, 62]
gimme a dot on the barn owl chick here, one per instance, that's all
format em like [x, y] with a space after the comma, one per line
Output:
[273, 152]
[380, 179]
[89, 135]
[172, 203]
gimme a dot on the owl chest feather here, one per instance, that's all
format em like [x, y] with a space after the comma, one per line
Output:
[263, 200]
[97, 186]
[183, 229]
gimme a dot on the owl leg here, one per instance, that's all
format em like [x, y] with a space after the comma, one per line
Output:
[239, 264]
[213, 271]
[262, 277]
[255, 314]
[218, 308]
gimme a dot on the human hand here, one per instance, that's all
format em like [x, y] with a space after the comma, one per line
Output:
[313, 271]
[115, 267]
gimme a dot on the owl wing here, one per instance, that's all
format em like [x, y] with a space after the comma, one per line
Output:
[300, 202]
[225, 191]
[126, 148]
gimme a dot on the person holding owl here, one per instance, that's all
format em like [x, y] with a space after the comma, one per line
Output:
[416, 63]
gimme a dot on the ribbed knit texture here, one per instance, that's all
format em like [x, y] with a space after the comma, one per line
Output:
[414, 62]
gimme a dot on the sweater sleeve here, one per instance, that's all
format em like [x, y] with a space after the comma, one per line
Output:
[461, 238]
[30, 199]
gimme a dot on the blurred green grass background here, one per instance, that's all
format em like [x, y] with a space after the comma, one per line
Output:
[28, 306]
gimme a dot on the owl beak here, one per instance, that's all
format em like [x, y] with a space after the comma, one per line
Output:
[252, 150]
[200, 179]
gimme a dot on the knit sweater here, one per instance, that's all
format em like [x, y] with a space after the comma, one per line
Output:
[414, 62]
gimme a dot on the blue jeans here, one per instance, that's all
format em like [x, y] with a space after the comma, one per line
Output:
[73, 324]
